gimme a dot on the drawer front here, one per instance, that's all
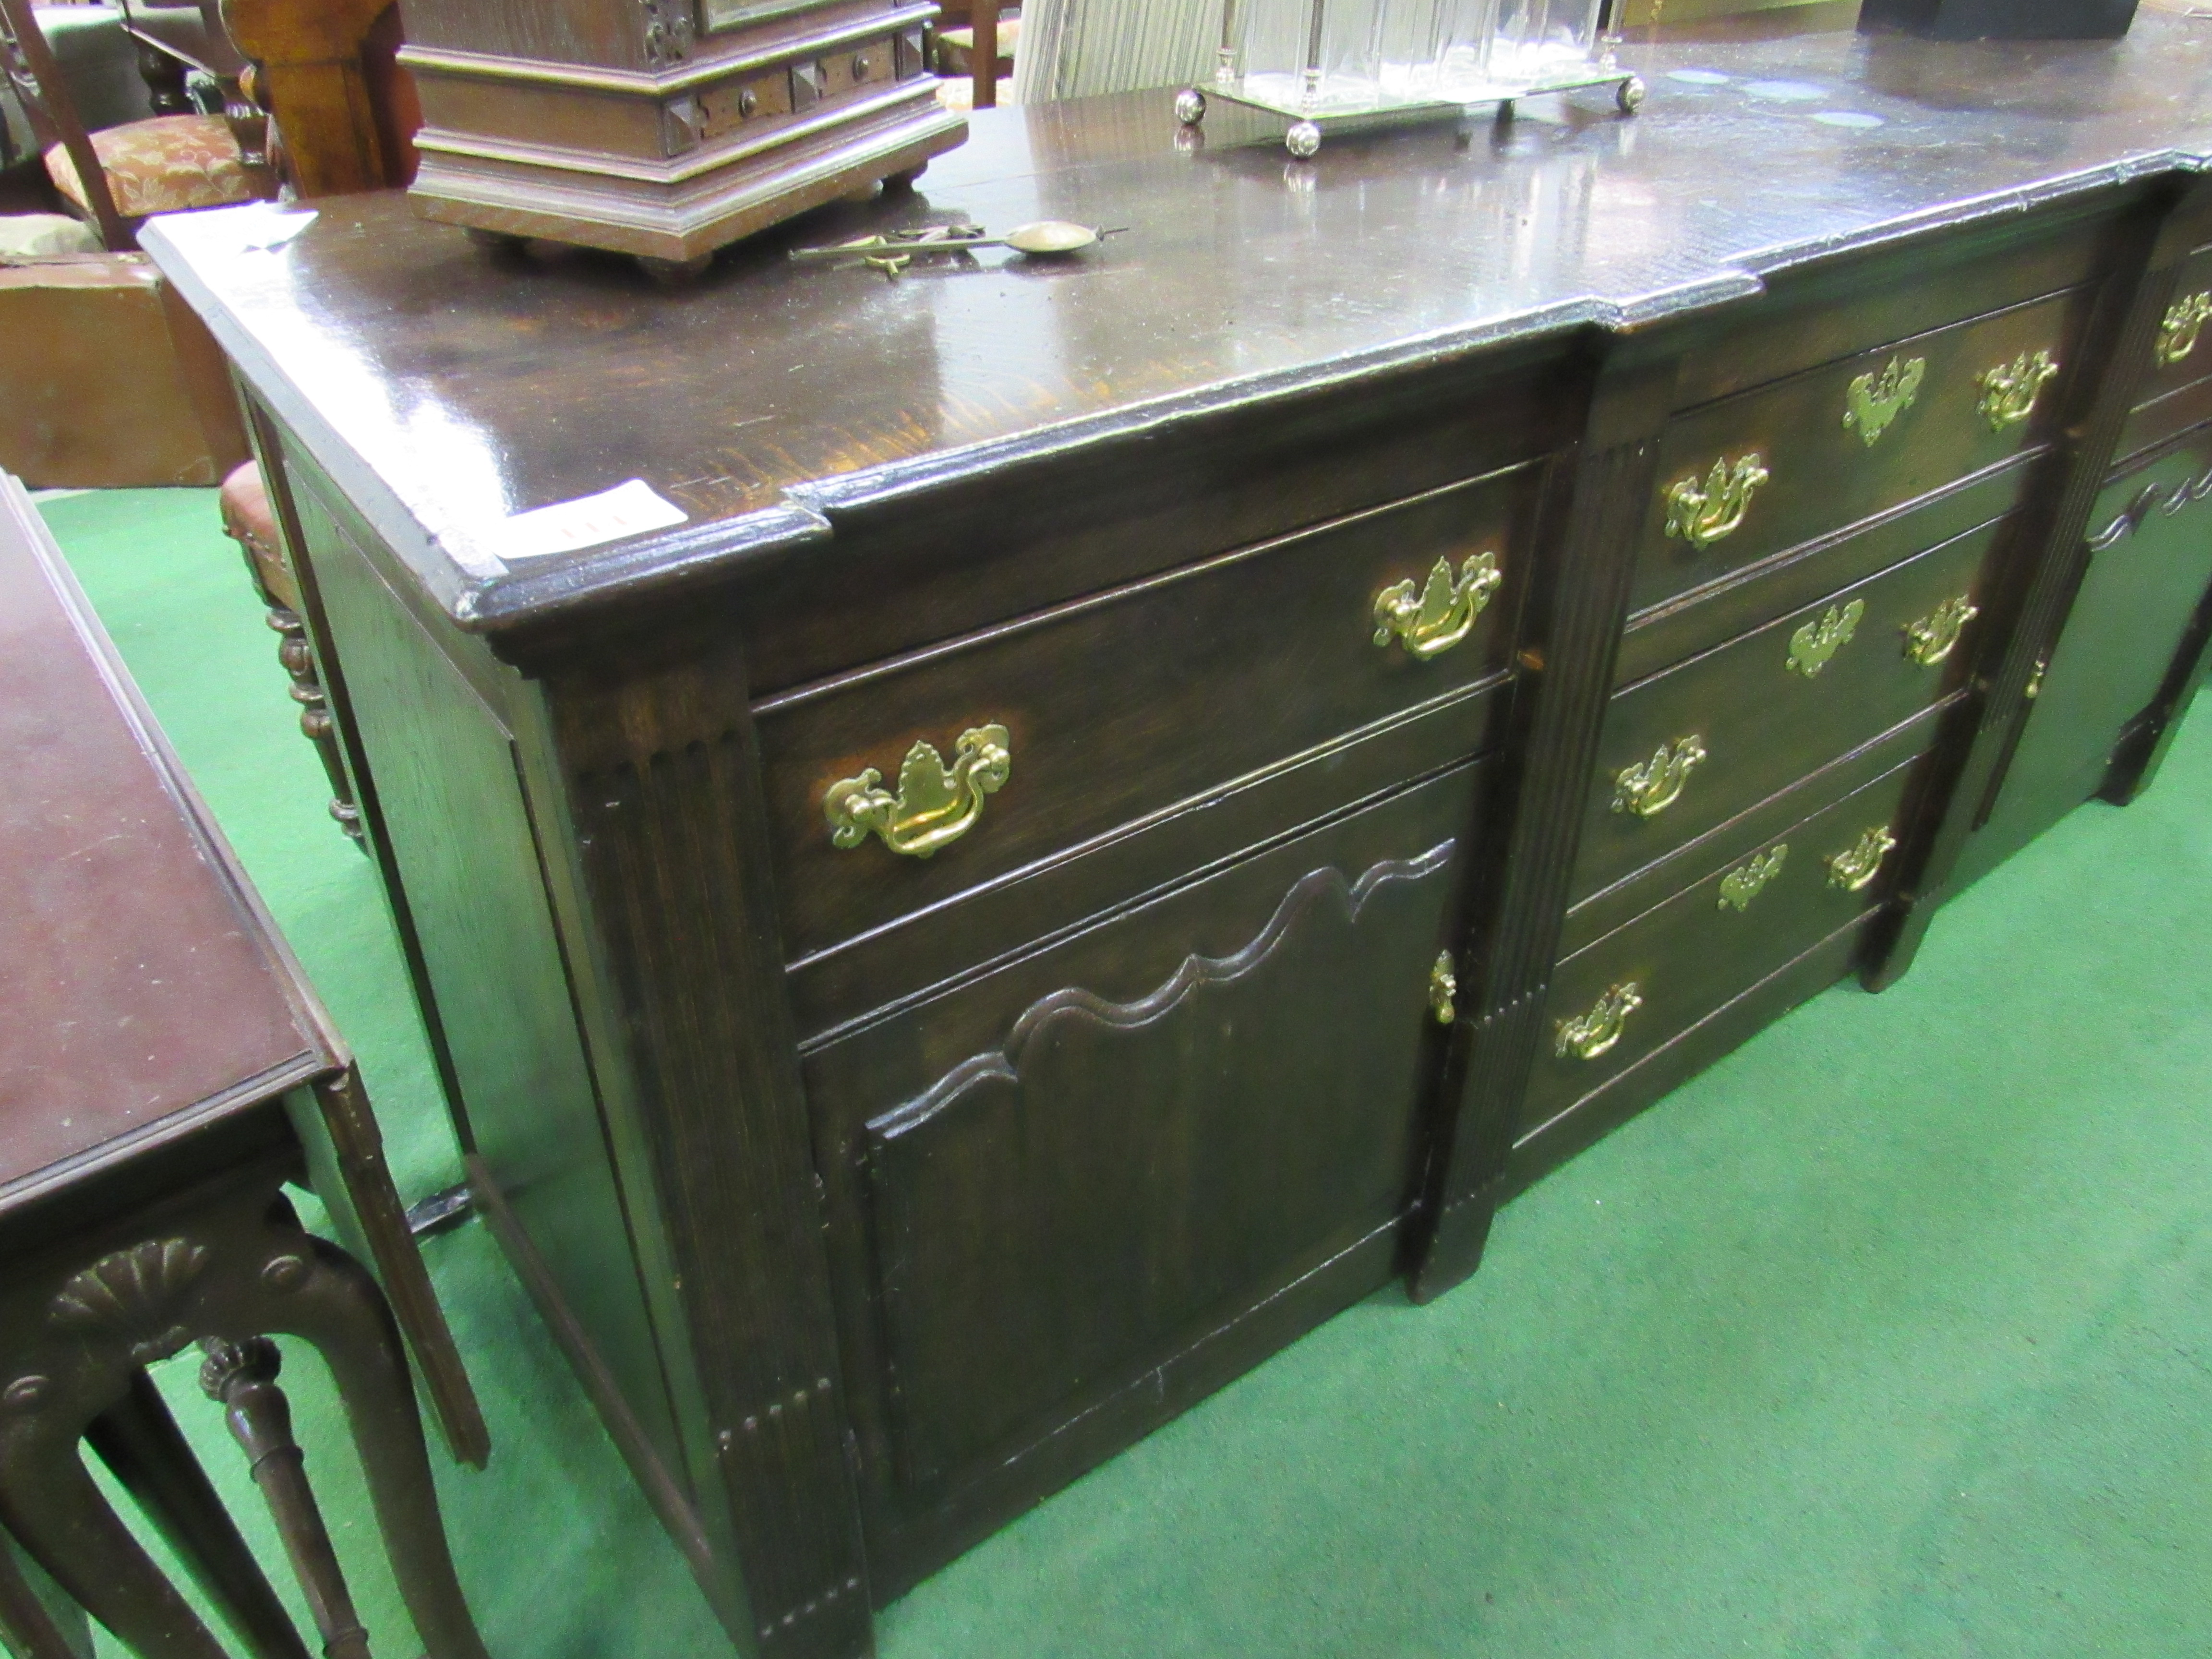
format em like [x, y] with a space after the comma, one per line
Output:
[1690, 748]
[1043, 736]
[1047, 1181]
[1751, 475]
[2152, 423]
[2182, 354]
[1672, 633]
[1636, 989]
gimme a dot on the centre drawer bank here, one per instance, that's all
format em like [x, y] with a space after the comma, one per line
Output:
[1149, 792]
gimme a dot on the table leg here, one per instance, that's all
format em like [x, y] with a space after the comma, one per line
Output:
[37, 1619]
[329, 1301]
[49, 1502]
[140, 1441]
[241, 1378]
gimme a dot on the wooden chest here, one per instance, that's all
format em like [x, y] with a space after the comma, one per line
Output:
[1148, 795]
[670, 127]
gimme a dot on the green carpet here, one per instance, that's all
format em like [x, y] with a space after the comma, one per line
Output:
[1890, 1335]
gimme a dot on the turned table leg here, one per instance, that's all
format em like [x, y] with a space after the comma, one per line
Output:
[228, 1268]
[241, 1378]
[141, 1444]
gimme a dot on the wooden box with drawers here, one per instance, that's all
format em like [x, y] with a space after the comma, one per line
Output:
[666, 128]
[1148, 795]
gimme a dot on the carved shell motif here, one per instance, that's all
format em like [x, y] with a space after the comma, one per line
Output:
[134, 1295]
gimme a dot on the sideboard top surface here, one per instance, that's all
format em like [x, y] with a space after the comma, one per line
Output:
[445, 388]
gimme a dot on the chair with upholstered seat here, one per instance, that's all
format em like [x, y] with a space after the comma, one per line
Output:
[119, 176]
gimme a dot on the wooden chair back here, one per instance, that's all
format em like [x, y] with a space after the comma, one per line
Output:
[314, 77]
[44, 95]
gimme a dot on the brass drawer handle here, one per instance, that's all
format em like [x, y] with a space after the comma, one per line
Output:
[1704, 514]
[1443, 988]
[1930, 640]
[1872, 401]
[1587, 1036]
[935, 805]
[2010, 390]
[1812, 645]
[2184, 321]
[1649, 789]
[1443, 611]
[1857, 865]
[1749, 880]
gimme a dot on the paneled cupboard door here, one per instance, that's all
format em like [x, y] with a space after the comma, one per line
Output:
[2150, 566]
[1054, 1178]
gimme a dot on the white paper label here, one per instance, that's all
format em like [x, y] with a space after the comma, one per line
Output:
[629, 509]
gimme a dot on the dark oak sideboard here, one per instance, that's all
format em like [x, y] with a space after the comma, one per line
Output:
[1151, 793]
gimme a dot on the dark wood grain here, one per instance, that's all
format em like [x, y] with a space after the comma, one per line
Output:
[2149, 568]
[1825, 476]
[837, 1131]
[1758, 593]
[1212, 1171]
[1133, 701]
[1570, 632]
[2152, 240]
[1720, 849]
[1691, 955]
[1726, 1028]
[1412, 248]
[1762, 723]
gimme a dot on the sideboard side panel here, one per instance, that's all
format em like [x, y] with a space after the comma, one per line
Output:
[441, 758]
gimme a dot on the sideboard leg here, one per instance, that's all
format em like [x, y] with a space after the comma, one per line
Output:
[1573, 620]
[142, 1445]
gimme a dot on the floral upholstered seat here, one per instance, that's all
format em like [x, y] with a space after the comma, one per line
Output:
[164, 165]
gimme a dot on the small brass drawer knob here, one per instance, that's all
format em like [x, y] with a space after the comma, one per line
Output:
[1931, 639]
[1443, 988]
[935, 804]
[2184, 321]
[1812, 645]
[1648, 789]
[1856, 866]
[2011, 390]
[1442, 612]
[1702, 514]
[1748, 880]
[1873, 401]
[1587, 1036]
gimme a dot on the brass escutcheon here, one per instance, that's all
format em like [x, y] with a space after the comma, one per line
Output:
[1443, 611]
[1747, 880]
[1443, 988]
[1651, 789]
[935, 804]
[1857, 865]
[1872, 401]
[2184, 321]
[1587, 1036]
[1930, 640]
[1812, 645]
[1703, 514]
[2010, 390]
